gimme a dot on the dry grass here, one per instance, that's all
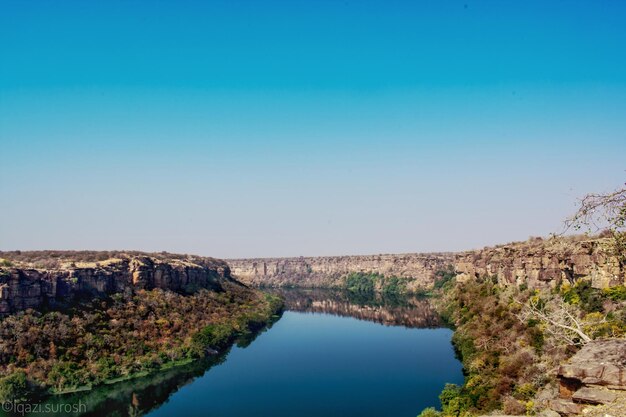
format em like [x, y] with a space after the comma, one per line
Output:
[57, 259]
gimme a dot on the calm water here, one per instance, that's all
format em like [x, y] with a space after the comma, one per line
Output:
[315, 361]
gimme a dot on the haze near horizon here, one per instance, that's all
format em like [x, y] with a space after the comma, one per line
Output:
[256, 129]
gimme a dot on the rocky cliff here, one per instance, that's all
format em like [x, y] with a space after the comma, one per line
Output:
[328, 272]
[545, 262]
[595, 375]
[537, 262]
[27, 284]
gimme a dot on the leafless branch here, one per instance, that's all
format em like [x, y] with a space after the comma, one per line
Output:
[557, 318]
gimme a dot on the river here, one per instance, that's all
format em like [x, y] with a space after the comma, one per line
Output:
[330, 354]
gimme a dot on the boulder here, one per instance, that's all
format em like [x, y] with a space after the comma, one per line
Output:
[600, 362]
[589, 395]
[565, 406]
[548, 413]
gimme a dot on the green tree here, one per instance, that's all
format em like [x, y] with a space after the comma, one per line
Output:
[14, 387]
[430, 412]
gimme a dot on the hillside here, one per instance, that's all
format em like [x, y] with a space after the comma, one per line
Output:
[74, 320]
[43, 279]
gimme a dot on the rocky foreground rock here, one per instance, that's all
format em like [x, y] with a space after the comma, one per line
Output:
[596, 375]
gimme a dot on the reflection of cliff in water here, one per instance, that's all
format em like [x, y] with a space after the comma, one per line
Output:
[138, 396]
[409, 311]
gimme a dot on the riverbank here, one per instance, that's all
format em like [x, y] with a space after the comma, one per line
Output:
[123, 337]
[510, 354]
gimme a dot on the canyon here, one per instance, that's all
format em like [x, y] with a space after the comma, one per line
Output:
[329, 271]
[64, 276]
[538, 263]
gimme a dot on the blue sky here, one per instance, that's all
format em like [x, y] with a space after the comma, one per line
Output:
[274, 128]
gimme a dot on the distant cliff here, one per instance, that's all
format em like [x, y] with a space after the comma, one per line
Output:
[329, 271]
[49, 278]
[536, 262]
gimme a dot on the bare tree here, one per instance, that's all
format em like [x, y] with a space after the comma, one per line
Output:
[559, 319]
[606, 213]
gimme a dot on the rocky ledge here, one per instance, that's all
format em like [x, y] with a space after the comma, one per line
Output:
[542, 263]
[63, 277]
[596, 375]
[537, 262]
[329, 271]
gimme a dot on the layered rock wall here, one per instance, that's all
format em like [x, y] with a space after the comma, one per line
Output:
[538, 263]
[328, 272]
[22, 287]
[594, 375]
[543, 263]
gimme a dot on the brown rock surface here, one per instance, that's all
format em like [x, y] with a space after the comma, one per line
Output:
[539, 263]
[600, 362]
[544, 262]
[327, 272]
[565, 407]
[24, 286]
[589, 395]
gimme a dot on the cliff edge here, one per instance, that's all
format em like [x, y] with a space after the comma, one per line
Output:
[537, 262]
[42, 279]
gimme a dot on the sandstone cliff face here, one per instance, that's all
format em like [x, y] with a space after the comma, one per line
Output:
[328, 272]
[22, 287]
[543, 263]
[539, 263]
[594, 375]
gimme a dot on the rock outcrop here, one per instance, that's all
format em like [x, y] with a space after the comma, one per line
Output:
[543, 263]
[591, 376]
[598, 363]
[23, 286]
[537, 262]
[328, 272]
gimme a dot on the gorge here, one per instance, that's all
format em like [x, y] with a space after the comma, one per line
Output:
[186, 311]
[538, 262]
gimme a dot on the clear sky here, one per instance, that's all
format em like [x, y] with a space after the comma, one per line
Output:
[286, 128]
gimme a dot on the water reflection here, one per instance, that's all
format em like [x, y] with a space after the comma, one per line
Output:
[396, 310]
[134, 397]
[140, 396]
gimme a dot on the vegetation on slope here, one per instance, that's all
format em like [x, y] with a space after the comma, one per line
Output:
[509, 352]
[122, 336]
[372, 282]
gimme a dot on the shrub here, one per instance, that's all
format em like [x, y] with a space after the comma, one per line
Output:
[430, 412]
[617, 293]
[360, 282]
[214, 336]
[514, 407]
[14, 387]
[444, 276]
[454, 401]
[394, 286]
[585, 296]
[525, 391]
